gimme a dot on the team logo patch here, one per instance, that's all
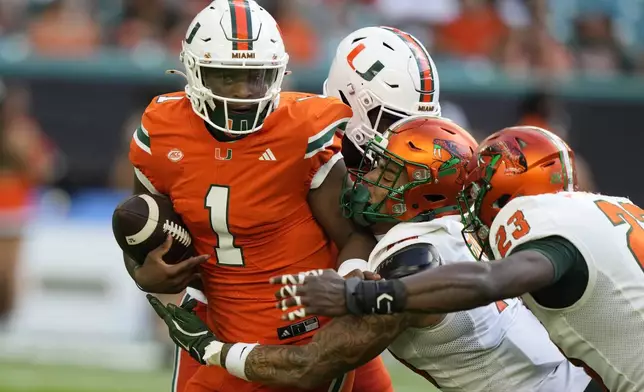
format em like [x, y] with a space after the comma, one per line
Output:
[511, 154]
[451, 158]
[175, 155]
[299, 328]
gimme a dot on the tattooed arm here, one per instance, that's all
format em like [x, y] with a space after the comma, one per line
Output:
[343, 345]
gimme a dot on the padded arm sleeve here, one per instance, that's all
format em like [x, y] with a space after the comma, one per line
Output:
[562, 253]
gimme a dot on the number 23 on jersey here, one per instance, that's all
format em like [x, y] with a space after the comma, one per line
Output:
[520, 226]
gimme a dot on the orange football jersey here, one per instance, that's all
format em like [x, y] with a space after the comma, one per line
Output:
[245, 202]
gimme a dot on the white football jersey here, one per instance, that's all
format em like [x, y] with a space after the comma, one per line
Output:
[604, 329]
[500, 347]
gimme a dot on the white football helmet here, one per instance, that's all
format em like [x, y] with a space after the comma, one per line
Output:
[384, 74]
[235, 62]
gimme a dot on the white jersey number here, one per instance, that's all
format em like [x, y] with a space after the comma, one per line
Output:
[632, 215]
[217, 201]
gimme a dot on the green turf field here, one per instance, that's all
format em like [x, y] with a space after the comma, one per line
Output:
[16, 377]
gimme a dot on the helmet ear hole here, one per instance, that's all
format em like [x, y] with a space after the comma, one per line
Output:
[502, 201]
[434, 198]
[344, 99]
[373, 116]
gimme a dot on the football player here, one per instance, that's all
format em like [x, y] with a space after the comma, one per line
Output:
[575, 258]
[410, 196]
[255, 174]
[383, 74]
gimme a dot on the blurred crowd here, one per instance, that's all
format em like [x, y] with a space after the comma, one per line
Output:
[523, 37]
[548, 36]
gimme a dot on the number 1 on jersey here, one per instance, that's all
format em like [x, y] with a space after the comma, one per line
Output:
[217, 201]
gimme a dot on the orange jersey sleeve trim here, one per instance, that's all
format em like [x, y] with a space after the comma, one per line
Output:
[324, 145]
[148, 163]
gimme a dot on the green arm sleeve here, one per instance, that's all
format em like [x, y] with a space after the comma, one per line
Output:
[563, 255]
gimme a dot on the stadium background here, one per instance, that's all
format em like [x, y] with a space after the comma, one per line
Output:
[78, 73]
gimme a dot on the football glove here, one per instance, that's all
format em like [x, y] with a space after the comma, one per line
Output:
[184, 327]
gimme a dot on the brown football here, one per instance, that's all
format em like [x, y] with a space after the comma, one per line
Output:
[142, 222]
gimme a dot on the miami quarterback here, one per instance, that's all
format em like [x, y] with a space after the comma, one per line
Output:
[574, 257]
[255, 174]
[410, 197]
[383, 74]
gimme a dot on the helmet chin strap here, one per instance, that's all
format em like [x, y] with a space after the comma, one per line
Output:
[176, 72]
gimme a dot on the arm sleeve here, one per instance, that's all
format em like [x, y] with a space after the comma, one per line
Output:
[324, 143]
[563, 255]
[143, 158]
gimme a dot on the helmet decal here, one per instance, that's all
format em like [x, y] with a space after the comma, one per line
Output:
[373, 70]
[385, 75]
[422, 60]
[511, 155]
[242, 25]
[451, 158]
[193, 32]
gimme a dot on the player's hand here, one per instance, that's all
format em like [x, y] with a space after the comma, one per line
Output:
[364, 275]
[155, 276]
[319, 292]
[185, 328]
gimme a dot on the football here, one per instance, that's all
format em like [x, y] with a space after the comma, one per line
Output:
[142, 222]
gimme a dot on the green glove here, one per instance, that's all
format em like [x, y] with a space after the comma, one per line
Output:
[184, 327]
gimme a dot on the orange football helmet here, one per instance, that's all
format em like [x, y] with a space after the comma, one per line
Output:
[430, 153]
[516, 161]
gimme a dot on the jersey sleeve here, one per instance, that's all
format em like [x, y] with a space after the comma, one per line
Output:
[562, 253]
[144, 158]
[328, 119]
[530, 219]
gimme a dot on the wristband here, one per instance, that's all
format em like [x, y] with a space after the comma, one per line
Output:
[236, 359]
[375, 297]
[352, 264]
[212, 353]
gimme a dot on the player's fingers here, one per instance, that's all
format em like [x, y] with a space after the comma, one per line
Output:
[156, 304]
[190, 305]
[164, 247]
[368, 275]
[288, 291]
[175, 310]
[295, 315]
[178, 315]
[188, 265]
[178, 282]
[284, 279]
[295, 279]
[291, 302]
[160, 309]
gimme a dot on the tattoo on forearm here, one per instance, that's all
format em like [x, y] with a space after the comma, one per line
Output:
[346, 343]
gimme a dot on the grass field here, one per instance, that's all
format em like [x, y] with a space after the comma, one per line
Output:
[16, 377]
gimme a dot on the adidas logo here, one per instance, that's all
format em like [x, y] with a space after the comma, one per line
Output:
[286, 333]
[267, 156]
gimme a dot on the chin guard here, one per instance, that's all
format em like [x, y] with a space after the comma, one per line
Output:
[358, 199]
